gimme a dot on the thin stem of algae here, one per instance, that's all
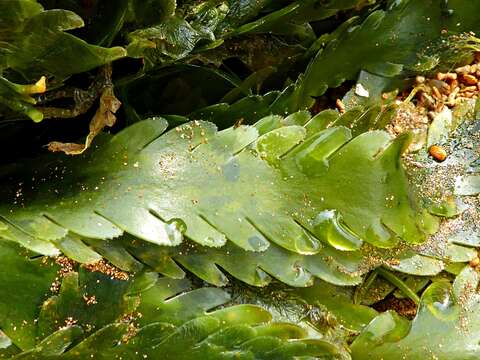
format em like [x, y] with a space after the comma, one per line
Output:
[83, 99]
[362, 288]
[395, 280]
[414, 92]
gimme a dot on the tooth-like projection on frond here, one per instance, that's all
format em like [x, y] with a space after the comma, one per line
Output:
[285, 204]
[114, 315]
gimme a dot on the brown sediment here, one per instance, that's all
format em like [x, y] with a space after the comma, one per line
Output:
[409, 117]
[69, 321]
[133, 327]
[108, 269]
[429, 97]
[66, 267]
[340, 106]
[403, 307]
[90, 299]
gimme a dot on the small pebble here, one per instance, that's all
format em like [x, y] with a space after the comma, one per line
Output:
[474, 262]
[451, 76]
[421, 79]
[469, 88]
[438, 153]
[436, 92]
[463, 69]
[469, 79]
[340, 106]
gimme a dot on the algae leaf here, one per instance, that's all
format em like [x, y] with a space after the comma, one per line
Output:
[290, 227]
[198, 181]
[34, 43]
[385, 43]
[110, 316]
[35, 279]
[38, 45]
[446, 326]
[173, 39]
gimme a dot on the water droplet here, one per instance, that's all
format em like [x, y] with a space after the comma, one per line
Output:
[328, 224]
[175, 228]
[307, 244]
[258, 243]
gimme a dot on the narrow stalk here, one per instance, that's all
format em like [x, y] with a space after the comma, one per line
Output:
[361, 289]
[399, 283]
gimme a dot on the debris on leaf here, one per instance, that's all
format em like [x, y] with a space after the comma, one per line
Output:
[361, 91]
[105, 116]
[105, 268]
